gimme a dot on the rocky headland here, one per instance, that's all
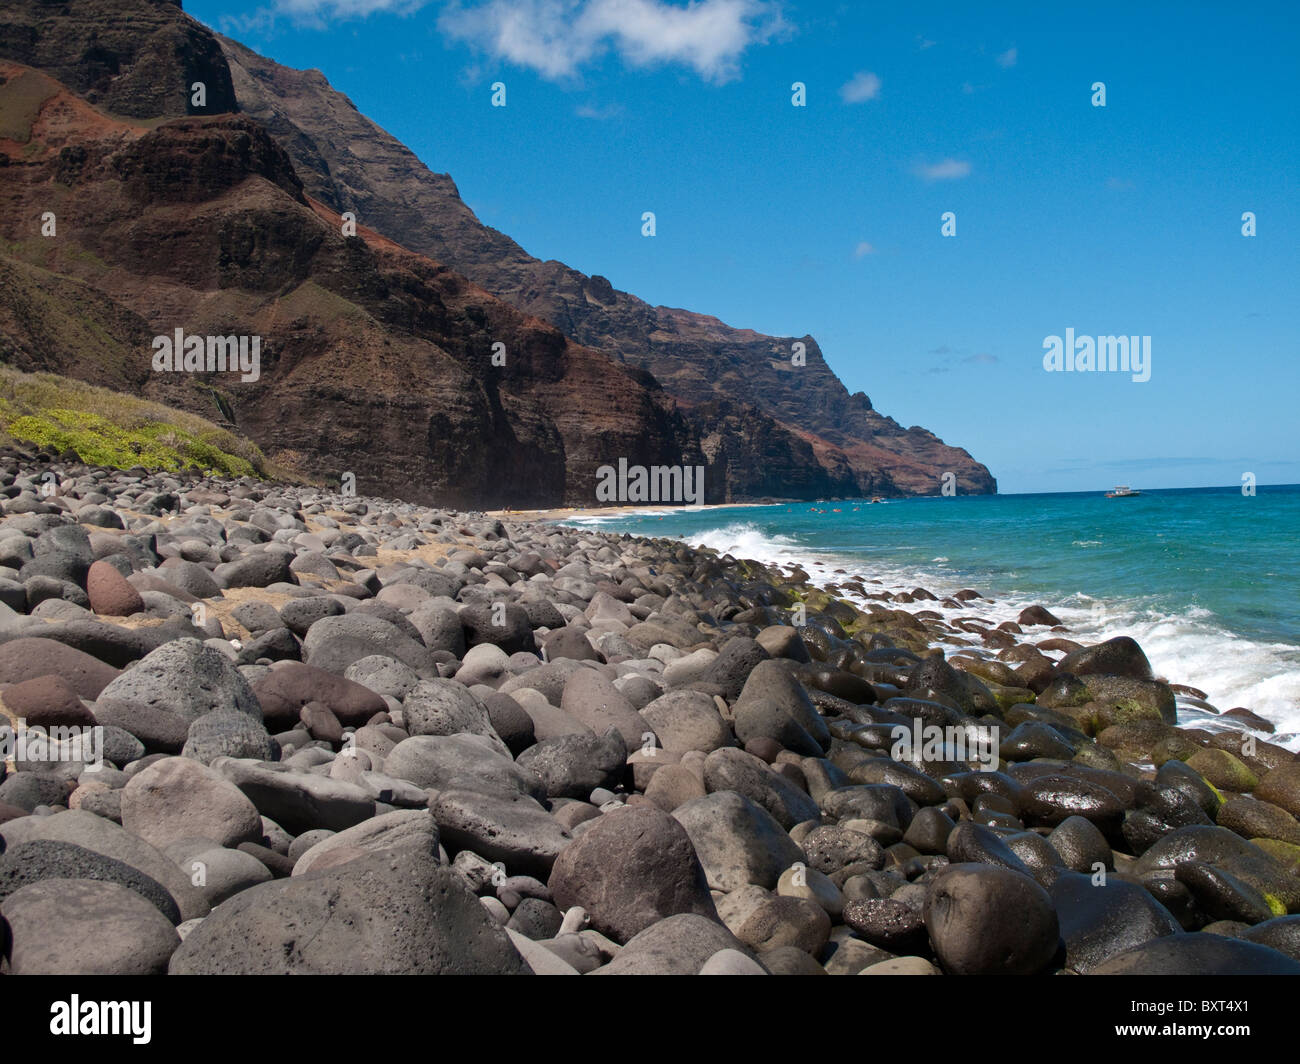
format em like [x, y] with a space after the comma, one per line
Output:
[263, 728]
[401, 339]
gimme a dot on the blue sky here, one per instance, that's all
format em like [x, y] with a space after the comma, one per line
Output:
[826, 219]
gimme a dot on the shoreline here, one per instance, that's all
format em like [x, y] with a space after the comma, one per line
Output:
[1089, 618]
[604, 753]
[561, 513]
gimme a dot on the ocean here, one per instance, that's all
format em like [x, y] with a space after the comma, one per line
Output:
[1205, 579]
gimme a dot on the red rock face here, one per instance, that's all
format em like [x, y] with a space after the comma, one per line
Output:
[779, 430]
[139, 58]
[376, 360]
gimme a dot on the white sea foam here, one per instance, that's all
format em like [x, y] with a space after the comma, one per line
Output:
[1191, 649]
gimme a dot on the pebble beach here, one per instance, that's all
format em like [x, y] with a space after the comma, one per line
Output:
[259, 728]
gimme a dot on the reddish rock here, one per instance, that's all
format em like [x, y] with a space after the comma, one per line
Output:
[27, 658]
[291, 685]
[321, 722]
[47, 700]
[110, 594]
[11, 812]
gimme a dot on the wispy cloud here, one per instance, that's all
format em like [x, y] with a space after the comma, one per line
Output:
[947, 170]
[1007, 59]
[860, 88]
[321, 12]
[952, 358]
[863, 249]
[598, 112]
[922, 43]
[557, 38]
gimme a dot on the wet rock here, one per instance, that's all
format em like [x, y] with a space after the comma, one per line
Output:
[1120, 656]
[1199, 954]
[985, 920]
[1281, 786]
[1101, 918]
[1281, 933]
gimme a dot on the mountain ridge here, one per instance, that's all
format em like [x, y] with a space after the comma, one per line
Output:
[680, 387]
[679, 347]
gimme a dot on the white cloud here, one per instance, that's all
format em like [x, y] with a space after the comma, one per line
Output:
[947, 170]
[599, 112]
[556, 38]
[860, 88]
[322, 10]
[1007, 59]
[863, 249]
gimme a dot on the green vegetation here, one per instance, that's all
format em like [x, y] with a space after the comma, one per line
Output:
[110, 429]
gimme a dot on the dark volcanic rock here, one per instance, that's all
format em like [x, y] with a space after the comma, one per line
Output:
[41, 859]
[393, 912]
[1199, 954]
[631, 869]
[985, 921]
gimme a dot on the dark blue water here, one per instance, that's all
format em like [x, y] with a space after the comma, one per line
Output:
[1206, 579]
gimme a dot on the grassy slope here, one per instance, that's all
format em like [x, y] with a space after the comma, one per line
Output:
[108, 428]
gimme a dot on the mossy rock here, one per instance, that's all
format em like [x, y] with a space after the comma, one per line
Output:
[1125, 711]
[1284, 853]
[1252, 818]
[1140, 735]
[1006, 697]
[1093, 755]
[1065, 692]
[1222, 770]
[1177, 747]
[991, 672]
[1084, 717]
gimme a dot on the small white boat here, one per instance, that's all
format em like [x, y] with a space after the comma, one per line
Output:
[1122, 491]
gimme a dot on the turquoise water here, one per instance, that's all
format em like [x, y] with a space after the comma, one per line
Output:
[1205, 579]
